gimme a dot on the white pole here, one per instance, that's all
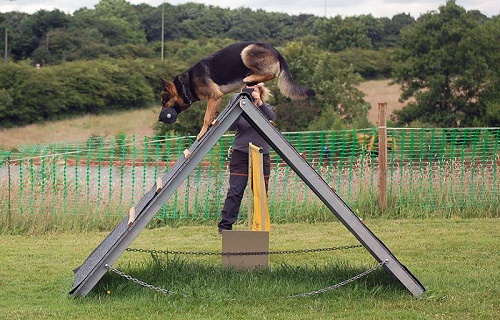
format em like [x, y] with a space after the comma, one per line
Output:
[6, 54]
[162, 28]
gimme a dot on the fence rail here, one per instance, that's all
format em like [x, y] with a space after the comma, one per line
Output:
[429, 171]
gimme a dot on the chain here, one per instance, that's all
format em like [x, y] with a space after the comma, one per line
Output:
[139, 282]
[340, 284]
[207, 253]
[166, 291]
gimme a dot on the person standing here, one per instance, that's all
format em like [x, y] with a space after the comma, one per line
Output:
[238, 163]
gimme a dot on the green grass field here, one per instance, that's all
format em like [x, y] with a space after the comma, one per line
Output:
[456, 260]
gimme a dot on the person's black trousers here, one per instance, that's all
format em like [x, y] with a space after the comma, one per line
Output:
[238, 179]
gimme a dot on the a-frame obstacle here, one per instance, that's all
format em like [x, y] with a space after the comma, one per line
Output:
[93, 269]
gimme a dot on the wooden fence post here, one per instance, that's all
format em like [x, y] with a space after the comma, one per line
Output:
[382, 155]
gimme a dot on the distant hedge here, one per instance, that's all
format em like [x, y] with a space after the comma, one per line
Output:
[29, 95]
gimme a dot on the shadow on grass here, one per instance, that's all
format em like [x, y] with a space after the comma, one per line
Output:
[215, 282]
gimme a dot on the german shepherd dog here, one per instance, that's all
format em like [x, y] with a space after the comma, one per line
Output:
[225, 71]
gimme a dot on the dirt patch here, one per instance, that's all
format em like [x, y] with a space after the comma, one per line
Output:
[379, 91]
[138, 122]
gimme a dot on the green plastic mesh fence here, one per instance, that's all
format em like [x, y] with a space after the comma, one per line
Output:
[428, 170]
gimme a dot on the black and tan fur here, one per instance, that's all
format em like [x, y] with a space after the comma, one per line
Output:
[225, 71]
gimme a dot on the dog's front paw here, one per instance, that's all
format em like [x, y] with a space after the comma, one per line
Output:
[249, 81]
[202, 133]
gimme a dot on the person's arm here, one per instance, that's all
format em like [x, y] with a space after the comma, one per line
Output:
[268, 110]
[264, 106]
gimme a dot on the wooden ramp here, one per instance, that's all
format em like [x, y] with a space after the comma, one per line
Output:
[94, 267]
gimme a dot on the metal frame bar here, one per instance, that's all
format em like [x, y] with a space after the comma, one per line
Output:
[92, 270]
[312, 178]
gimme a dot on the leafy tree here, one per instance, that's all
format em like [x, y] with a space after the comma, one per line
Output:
[93, 33]
[342, 102]
[369, 63]
[374, 29]
[338, 100]
[281, 26]
[32, 32]
[120, 22]
[440, 69]
[338, 34]
[58, 44]
[304, 25]
[197, 21]
[243, 26]
[393, 27]
[10, 22]
[152, 21]
[484, 40]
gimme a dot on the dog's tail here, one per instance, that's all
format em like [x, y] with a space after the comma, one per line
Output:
[287, 85]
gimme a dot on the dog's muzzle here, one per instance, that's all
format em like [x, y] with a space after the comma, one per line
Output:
[168, 115]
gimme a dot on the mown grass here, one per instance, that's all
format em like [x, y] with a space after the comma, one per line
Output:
[455, 259]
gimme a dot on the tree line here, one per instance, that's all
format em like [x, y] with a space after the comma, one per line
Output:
[50, 37]
[107, 58]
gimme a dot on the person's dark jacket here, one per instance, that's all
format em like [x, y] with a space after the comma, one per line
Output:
[245, 133]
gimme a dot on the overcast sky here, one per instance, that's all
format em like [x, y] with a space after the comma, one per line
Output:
[378, 8]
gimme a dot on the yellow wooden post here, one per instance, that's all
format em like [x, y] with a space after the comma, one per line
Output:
[261, 219]
[250, 204]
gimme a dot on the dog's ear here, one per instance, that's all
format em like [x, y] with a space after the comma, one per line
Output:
[163, 83]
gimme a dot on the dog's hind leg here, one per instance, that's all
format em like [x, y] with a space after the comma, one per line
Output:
[263, 62]
[212, 106]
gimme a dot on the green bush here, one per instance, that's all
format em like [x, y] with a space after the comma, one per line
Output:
[29, 95]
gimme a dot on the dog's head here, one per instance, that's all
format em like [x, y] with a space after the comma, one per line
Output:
[171, 103]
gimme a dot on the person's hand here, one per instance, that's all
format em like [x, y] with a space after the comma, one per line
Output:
[256, 96]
